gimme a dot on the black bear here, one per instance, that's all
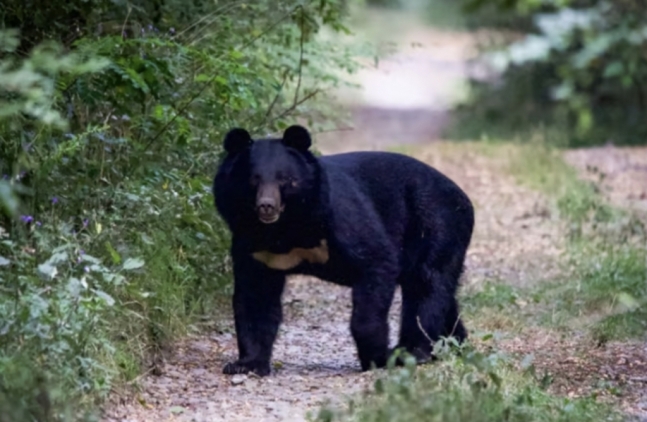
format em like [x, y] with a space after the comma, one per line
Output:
[367, 220]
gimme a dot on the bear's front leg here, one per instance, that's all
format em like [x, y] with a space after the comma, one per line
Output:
[257, 315]
[372, 299]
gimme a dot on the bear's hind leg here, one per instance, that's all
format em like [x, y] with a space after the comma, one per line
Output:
[429, 311]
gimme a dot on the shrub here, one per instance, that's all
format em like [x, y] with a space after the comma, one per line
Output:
[109, 137]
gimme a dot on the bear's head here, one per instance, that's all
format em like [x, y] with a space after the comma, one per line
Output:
[267, 180]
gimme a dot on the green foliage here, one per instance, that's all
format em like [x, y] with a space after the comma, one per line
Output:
[474, 386]
[55, 303]
[109, 136]
[579, 67]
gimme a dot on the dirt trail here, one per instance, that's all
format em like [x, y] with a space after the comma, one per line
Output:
[517, 240]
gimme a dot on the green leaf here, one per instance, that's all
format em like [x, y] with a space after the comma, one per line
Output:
[563, 91]
[57, 258]
[615, 68]
[90, 258]
[584, 120]
[628, 301]
[47, 270]
[496, 379]
[105, 297]
[116, 259]
[133, 263]
[75, 286]
[235, 54]
[8, 200]
[147, 240]
[113, 278]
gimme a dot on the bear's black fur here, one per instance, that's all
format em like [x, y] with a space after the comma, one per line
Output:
[367, 220]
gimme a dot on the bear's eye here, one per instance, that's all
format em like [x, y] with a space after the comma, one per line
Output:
[282, 179]
[285, 180]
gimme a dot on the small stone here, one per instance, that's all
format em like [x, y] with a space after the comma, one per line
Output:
[238, 379]
[198, 372]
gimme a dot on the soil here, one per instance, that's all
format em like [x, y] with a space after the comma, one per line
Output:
[517, 240]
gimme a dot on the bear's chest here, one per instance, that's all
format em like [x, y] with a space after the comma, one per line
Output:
[294, 257]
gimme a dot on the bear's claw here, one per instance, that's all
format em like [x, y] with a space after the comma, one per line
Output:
[238, 367]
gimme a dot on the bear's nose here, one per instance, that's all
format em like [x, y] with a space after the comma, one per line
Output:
[266, 206]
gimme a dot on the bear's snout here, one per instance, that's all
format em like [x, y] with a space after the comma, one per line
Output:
[268, 203]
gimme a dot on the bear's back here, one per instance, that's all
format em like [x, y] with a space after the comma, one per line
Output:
[389, 173]
[397, 187]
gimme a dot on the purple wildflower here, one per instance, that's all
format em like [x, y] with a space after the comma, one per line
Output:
[54, 200]
[86, 269]
[38, 223]
[85, 225]
[26, 218]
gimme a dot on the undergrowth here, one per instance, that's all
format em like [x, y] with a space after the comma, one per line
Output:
[473, 385]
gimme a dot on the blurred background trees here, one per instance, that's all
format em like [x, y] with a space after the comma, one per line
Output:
[577, 68]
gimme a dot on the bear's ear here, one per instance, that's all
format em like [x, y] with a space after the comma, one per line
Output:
[297, 137]
[236, 140]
